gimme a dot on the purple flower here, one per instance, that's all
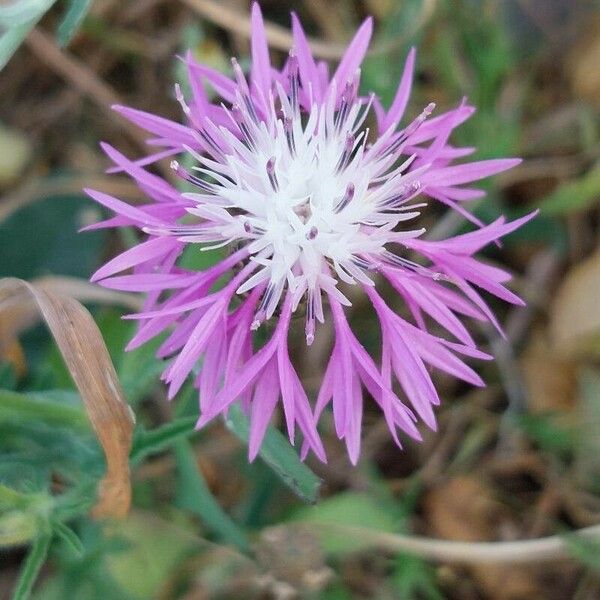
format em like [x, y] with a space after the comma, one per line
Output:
[288, 181]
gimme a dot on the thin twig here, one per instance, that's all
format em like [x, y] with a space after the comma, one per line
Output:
[281, 38]
[85, 81]
[555, 547]
[278, 37]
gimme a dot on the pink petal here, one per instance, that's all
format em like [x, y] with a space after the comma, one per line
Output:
[398, 107]
[354, 55]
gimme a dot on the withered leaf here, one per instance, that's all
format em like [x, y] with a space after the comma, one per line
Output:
[85, 354]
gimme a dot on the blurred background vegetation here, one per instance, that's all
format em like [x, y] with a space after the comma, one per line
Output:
[517, 460]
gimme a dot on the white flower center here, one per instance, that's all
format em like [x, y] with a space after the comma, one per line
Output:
[311, 200]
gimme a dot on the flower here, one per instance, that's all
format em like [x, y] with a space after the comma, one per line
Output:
[305, 201]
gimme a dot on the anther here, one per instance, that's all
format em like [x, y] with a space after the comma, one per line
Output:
[288, 128]
[313, 232]
[271, 173]
[346, 198]
[239, 118]
[244, 90]
[293, 75]
[187, 176]
[346, 153]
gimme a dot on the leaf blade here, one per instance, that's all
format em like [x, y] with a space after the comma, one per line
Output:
[277, 453]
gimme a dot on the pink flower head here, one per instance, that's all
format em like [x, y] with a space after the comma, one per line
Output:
[305, 202]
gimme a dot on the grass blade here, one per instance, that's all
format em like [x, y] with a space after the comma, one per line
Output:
[279, 455]
[193, 494]
[33, 563]
[73, 18]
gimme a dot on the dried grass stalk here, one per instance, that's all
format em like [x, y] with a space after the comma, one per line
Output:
[85, 354]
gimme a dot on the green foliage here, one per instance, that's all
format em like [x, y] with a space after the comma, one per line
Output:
[33, 563]
[148, 443]
[72, 20]
[576, 195]
[193, 494]
[16, 21]
[544, 430]
[279, 455]
[50, 461]
[35, 239]
[351, 509]
[19, 18]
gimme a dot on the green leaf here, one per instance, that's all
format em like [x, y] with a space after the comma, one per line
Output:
[57, 247]
[551, 435]
[414, 578]
[576, 195]
[11, 39]
[193, 494]
[8, 377]
[586, 551]
[33, 563]
[157, 440]
[73, 18]
[148, 563]
[279, 455]
[17, 20]
[70, 538]
[24, 11]
[24, 407]
[351, 509]
[17, 528]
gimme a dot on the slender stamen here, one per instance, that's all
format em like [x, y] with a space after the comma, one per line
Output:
[261, 313]
[240, 120]
[271, 173]
[309, 328]
[187, 176]
[244, 89]
[293, 75]
[363, 264]
[398, 261]
[404, 195]
[346, 198]
[288, 128]
[410, 129]
[346, 153]
[253, 229]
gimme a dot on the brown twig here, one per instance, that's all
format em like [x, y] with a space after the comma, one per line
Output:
[84, 81]
[522, 551]
[281, 38]
[277, 36]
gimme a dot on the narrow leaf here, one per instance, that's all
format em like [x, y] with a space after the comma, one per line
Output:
[69, 537]
[157, 440]
[23, 407]
[193, 494]
[279, 455]
[11, 39]
[33, 563]
[73, 18]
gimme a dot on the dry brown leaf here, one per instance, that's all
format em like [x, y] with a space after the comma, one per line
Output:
[89, 363]
[464, 509]
[18, 309]
[551, 380]
[575, 313]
